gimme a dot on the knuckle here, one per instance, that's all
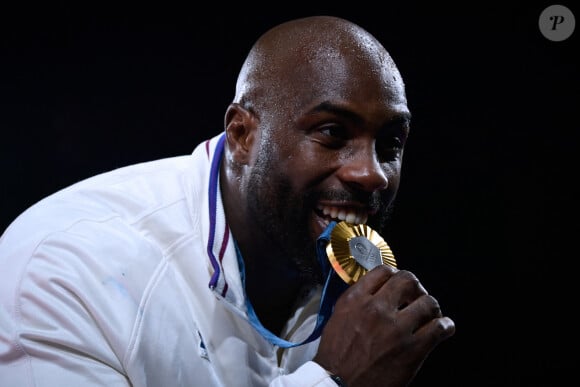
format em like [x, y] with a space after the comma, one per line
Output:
[440, 327]
[408, 276]
[431, 304]
[411, 279]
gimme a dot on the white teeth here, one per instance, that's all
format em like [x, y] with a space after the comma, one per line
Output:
[349, 215]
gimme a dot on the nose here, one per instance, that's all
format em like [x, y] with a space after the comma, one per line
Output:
[363, 171]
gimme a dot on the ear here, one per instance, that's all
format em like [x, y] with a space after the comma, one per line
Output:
[240, 126]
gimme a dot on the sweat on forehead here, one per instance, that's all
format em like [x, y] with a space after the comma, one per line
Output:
[300, 48]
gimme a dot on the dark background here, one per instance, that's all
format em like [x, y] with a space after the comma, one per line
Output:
[486, 214]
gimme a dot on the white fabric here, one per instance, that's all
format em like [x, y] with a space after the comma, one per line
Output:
[105, 283]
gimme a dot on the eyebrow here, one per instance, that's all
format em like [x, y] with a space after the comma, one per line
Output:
[399, 118]
[337, 110]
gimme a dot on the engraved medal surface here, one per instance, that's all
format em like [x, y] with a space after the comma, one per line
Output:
[354, 249]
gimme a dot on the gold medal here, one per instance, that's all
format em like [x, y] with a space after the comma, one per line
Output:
[354, 249]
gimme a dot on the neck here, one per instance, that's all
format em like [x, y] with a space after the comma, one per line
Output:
[272, 281]
[273, 292]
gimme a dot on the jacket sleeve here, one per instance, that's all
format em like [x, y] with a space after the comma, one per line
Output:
[63, 317]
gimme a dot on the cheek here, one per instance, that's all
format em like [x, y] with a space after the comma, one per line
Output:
[307, 165]
[392, 172]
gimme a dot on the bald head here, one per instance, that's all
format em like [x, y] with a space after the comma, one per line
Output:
[306, 57]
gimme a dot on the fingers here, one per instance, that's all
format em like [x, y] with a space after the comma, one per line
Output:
[374, 280]
[384, 324]
[403, 288]
[402, 292]
[398, 287]
[434, 332]
[419, 312]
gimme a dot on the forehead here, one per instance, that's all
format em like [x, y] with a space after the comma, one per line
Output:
[366, 86]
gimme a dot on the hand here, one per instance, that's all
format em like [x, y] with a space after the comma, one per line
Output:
[382, 329]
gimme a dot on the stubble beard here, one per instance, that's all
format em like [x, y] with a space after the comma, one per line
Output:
[282, 217]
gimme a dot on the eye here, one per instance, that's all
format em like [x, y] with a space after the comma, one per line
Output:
[389, 148]
[332, 136]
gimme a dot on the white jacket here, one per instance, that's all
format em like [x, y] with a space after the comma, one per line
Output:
[106, 283]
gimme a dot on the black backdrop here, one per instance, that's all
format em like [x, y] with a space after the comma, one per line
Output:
[487, 208]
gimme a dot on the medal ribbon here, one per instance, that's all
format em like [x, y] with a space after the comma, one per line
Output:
[333, 286]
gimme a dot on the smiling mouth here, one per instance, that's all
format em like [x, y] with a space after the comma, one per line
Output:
[348, 214]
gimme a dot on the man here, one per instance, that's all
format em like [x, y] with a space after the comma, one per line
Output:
[202, 270]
